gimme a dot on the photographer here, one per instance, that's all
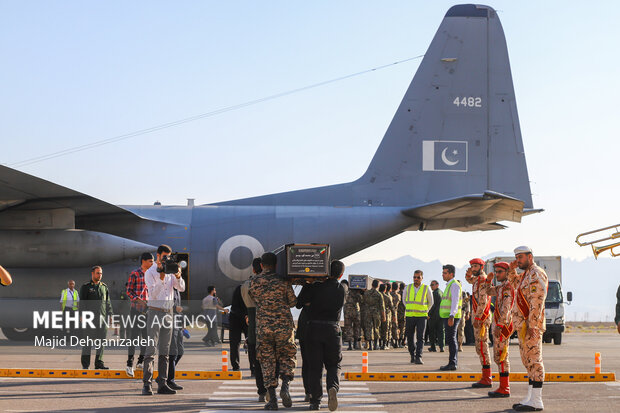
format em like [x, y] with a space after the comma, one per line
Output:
[325, 302]
[160, 285]
[5, 277]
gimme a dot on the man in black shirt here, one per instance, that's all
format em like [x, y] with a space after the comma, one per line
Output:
[323, 335]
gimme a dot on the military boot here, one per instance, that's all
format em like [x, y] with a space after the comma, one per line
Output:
[350, 348]
[356, 346]
[285, 395]
[382, 344]
[272, 404]
[374, 345]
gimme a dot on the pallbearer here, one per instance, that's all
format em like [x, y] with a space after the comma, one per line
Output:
[528, 316]
[481, 309]
[502, 324]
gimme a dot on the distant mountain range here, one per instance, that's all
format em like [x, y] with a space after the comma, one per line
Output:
[594, 283]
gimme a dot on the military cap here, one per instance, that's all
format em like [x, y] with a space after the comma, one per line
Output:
[523, 250]
[502, 264]
[476, 261]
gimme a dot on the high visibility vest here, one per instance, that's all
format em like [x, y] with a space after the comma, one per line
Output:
[64, 299]
[416, 306]
[446, 301]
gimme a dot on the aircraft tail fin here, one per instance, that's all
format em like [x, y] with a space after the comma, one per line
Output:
[456, 131]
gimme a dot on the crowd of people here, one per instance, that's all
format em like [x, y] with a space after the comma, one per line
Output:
[385, 315]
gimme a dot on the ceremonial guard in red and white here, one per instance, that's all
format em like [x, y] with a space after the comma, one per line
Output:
[481, 312]
[502, 324]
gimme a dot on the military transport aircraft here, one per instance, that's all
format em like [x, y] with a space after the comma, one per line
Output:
[452, 158]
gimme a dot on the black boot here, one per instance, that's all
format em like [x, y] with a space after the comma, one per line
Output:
[374, 345]
[382, 344]
[272, 404]
[350, 347]
[85, 362]
[285, 395]
[356, 346]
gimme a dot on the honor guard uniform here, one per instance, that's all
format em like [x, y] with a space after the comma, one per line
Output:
[481, 309]
[528, 316]
[502, 325]
[352, 318]
[401, 316]
[396, 303]
[95, 297]
[386, 325]
[375, 312]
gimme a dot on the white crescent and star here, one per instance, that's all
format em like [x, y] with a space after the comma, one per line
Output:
[446, 160]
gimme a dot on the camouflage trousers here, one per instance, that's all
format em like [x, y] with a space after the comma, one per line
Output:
[481, 335]
[530, 348]
[386, 327]
[372, 326]
[501, 344]
[395, 332]
[352, 326]
[401, 326]
[276, 347]
[460, 333]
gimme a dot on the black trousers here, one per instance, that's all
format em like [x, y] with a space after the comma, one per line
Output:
[236, 327]
[435, 332]
[139, 319]
[324, 349]
[177, 349]
[451, 340]
[417, 325]
[303, 348]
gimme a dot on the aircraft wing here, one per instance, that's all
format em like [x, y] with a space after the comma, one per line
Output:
[20, 192]
[478, 212]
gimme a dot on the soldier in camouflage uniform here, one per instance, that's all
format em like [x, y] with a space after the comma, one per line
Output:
[401, 316]
[481, 313]
[528, 316]
[275, 342]
[352, 317]
[395, 303]
[502, 324]
[386, 326]
[375, 313]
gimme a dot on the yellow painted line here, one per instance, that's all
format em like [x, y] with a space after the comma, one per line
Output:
[117, 374]
[465, 376]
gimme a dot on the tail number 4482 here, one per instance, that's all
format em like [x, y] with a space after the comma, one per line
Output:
[468, 101]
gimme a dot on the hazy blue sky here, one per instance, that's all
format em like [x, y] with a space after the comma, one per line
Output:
[74, 72]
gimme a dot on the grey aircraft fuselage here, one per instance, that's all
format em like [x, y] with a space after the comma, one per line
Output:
[452, 158]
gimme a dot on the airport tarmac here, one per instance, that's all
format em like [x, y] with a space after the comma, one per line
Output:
[576, 354]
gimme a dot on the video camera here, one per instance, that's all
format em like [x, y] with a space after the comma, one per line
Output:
[170, 264]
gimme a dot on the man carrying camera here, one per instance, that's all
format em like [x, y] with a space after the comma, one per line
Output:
[160, 283]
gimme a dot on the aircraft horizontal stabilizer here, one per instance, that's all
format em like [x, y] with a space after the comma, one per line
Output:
[468, 213]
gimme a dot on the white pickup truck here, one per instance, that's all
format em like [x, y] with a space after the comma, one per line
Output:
[554, 304]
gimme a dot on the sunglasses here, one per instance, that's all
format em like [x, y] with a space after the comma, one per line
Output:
[417, 278]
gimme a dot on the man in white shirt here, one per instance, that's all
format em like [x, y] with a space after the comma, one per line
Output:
[160, 288]
[450, 311]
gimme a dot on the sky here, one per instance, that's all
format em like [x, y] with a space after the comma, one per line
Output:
[76, 72]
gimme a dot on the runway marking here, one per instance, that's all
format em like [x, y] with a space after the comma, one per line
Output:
[242, 396]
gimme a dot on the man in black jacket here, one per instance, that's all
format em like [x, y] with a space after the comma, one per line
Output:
[237, 324]
[322, 336]
[435, 325]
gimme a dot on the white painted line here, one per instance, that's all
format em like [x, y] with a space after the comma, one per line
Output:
[356, 399]
[249, 387]
[613, 383]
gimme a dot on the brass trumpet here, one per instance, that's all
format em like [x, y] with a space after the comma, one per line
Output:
[614, 235]
[601, 249]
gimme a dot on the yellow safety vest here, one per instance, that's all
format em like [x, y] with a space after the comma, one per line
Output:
[64, 299]
[446, 301]
[415, 306]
